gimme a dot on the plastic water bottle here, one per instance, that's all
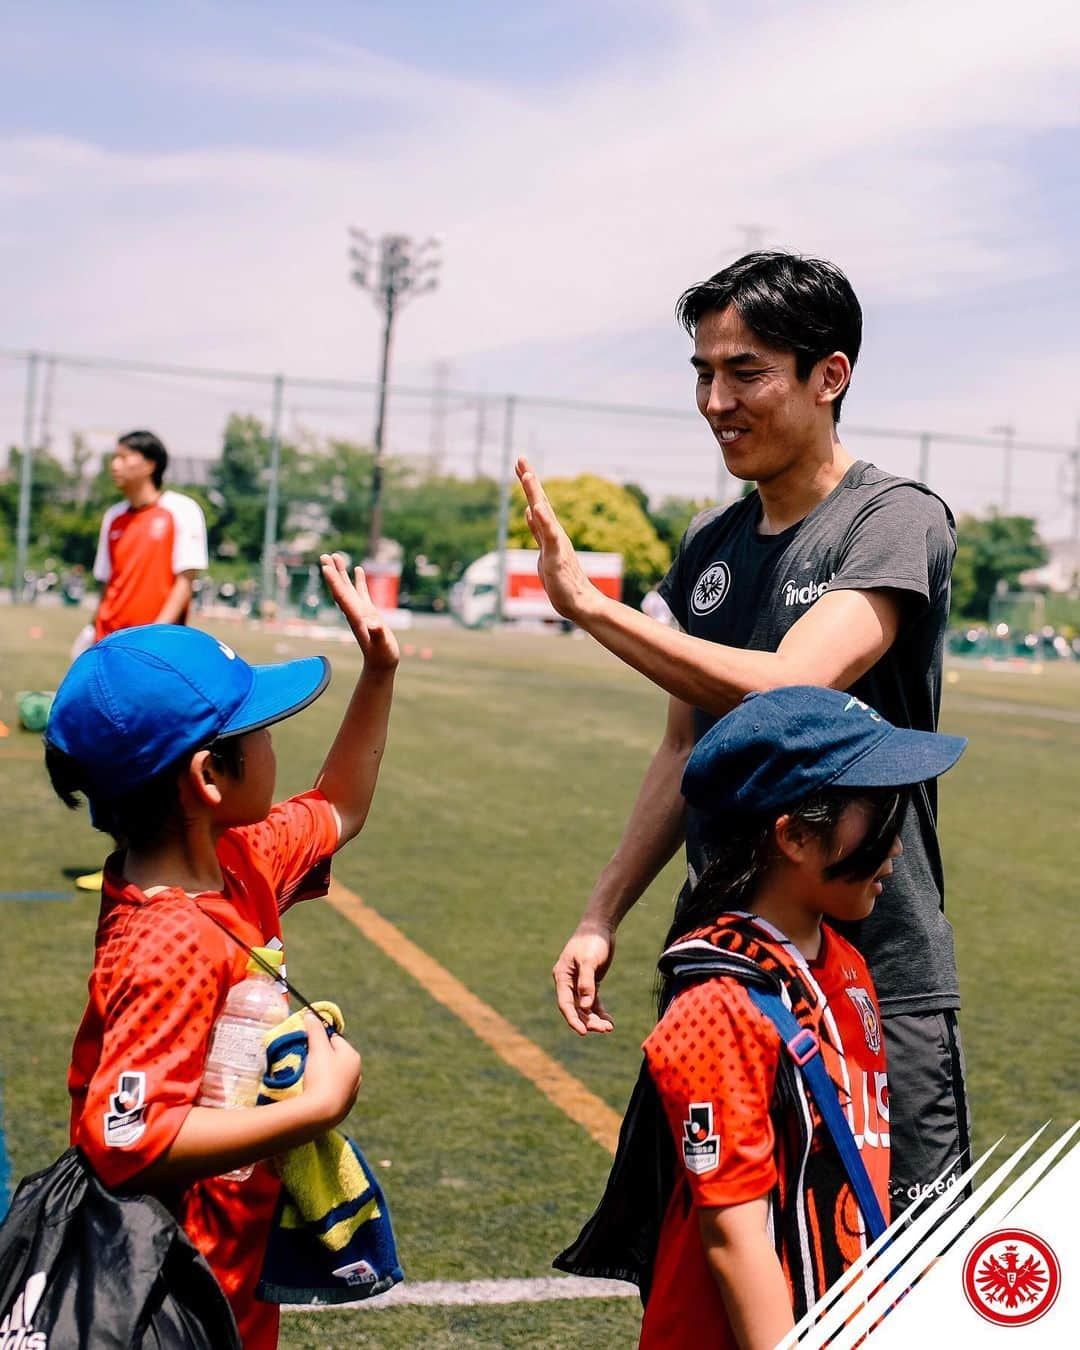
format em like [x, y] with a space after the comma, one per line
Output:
[236, 1060]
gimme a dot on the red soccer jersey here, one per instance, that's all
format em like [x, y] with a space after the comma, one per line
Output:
[162, 970]
[141, 552]
[713, 1058]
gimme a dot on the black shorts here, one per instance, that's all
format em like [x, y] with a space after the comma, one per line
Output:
[929, 1119]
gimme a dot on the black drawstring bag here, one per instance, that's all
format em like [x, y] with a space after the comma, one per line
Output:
[81, 1266]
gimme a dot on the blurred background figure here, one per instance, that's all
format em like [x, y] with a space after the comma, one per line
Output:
[152, 544]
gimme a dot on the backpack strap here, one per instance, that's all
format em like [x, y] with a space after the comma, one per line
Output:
[805, 1051]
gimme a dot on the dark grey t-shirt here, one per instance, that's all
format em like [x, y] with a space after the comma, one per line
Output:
[732, 585]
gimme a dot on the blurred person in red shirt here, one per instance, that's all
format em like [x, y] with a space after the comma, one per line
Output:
[152, 545]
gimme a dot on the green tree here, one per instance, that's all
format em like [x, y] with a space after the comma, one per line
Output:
[238, 487]
[51, 491]
[602, 517]
[674, 514]
[441, 522]
[997, 548]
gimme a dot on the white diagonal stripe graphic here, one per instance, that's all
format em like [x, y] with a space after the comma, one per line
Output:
[847, 1297]
[940, 1311]
[854, 1313]
[900, 1280]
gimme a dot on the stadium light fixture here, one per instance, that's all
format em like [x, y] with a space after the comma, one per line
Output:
[393, 271]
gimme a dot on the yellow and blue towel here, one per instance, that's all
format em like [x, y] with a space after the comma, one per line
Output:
[331, 1241]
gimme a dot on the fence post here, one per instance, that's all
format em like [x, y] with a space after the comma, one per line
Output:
[269, 558]
[26, 478]
[504, 505]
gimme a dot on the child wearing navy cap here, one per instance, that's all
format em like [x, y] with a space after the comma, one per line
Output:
[730, 1200]
[164, 730]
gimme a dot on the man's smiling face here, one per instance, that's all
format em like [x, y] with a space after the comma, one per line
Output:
[763, 416]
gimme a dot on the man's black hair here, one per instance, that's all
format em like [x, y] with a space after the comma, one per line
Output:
[142, 817]
[148, 445]
[801, 305]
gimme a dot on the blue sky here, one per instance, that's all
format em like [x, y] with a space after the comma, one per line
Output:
[176, 182]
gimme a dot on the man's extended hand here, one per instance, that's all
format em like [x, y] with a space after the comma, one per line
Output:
[568, 588]
[583, 963]
[373, 635]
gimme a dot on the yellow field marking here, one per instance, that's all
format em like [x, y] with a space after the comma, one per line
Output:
[570, 1095]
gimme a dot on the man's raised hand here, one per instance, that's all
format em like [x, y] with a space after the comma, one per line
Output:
[373, 635]
[568, 588]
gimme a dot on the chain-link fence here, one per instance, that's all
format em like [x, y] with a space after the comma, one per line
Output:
[72, 409]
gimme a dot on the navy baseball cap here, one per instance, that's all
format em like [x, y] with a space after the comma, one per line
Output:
[136, 701]
[778, 747]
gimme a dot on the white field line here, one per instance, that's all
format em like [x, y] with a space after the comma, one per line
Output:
[471, 1293]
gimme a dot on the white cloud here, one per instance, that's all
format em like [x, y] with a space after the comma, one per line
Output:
[857, 131]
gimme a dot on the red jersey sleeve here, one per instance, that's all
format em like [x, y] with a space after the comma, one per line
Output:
[292, 847]
[159, 982]
[713, 1058]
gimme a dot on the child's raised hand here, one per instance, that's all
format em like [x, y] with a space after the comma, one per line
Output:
[373, 635]
[331, 1074]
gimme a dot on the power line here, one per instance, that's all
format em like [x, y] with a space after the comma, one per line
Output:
[551, 402]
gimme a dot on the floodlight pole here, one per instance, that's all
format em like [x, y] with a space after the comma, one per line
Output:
[375, 531]
[924, 458]
[26, 478]
[1008, 431]
[403, 268]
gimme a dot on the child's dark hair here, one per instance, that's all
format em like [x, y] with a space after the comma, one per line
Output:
[139, 818]
[740, 855]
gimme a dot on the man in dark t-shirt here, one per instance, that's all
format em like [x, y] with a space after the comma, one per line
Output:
[730, 584]
[832, 572]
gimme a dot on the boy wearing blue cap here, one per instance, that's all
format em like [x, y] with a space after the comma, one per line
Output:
[730, 1202]
[164, 730]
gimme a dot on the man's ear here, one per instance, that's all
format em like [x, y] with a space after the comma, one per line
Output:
[201, 779]
[835, 376]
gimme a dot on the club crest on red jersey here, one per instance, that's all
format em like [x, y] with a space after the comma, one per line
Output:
[864, 1006]
[700, 1146]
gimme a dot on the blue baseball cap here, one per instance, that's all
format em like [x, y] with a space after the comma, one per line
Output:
[778, 747]
[139, 699]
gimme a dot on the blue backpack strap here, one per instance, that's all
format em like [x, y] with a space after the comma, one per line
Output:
[803, 1047]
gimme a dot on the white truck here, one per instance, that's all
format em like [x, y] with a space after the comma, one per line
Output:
[473, 598]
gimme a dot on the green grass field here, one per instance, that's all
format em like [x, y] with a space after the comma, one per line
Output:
[513, 762]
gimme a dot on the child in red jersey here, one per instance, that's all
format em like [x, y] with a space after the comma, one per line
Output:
[164, 730]
[728, 1202]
